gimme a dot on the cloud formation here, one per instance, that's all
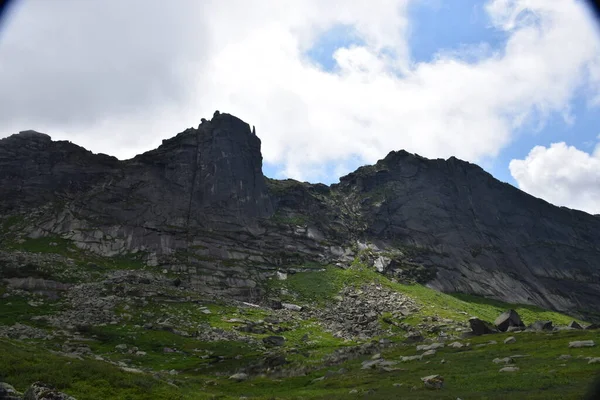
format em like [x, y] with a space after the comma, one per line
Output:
[117, 77]
[561, 174]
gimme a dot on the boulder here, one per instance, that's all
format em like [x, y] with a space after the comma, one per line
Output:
[42, 391]
[480, 327]
[240, 376]
[274, 340]
[510, 340]
[574, 325]
[381, 264]
[427, 347]
[541, 326]
[582, 343]
[291, 307]
[274, 303]
[433, 381]
[508, 319]
[410, 358]
[8, 392]
[509, 369]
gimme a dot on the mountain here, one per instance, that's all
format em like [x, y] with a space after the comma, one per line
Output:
[199, 205]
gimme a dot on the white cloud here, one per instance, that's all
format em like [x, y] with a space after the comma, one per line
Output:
[562, 175]
[118, 77]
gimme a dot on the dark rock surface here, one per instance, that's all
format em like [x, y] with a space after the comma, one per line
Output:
[200, 206]
[507, 319]
[480, 327]
[574, 325]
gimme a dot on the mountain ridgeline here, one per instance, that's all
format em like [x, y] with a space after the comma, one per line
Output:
[200, 205]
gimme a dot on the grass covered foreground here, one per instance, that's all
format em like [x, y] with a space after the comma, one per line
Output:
[469, 373]
[131, 361]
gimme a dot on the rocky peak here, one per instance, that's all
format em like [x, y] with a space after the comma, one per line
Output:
[31, 134]
[216, 167]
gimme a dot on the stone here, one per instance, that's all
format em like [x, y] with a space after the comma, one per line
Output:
[240, 376]
[428, 353]
[274, 341]
[582, 343]
[121, 347]
[8, 392]
[510, 340]
[410, 358]
[592, 326]
[456, 345]
[275, 304]
[509, 369]
[382, 263]
[574, 325]
[292, 307]
[508, 319]
[480, 327]
[565, 357]
[414, 337]
[282, 276]
[594, 360]
[433, 381]
[433, 346]
[369, 364]
[541, 326]
[505, 360]
[42, 391]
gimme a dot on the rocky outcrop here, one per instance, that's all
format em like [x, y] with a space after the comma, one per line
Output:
[200, 206]
[42, 391]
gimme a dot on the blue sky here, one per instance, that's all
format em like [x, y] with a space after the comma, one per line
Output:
[441, 26]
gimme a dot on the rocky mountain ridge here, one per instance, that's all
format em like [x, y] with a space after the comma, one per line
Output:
[199, 206]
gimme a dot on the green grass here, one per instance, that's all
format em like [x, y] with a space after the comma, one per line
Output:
[10, 222]
[187, 358]
[23, 364]
[468, 372]
[320, 287]
[17, 309]
[86, 264]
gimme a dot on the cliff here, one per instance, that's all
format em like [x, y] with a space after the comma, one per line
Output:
[200, 205]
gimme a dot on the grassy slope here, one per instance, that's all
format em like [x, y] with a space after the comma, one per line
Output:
[319, 287]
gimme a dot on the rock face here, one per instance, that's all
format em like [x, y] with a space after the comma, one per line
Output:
[199, 204]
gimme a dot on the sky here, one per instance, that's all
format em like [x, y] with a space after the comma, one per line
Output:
[512, 85]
